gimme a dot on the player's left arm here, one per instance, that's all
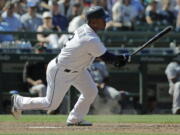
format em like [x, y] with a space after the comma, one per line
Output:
[97, 49]
[116, 60]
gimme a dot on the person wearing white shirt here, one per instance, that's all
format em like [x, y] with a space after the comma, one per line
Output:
[173, 75]
[124, 12]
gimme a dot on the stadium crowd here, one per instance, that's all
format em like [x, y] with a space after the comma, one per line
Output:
[67, 15]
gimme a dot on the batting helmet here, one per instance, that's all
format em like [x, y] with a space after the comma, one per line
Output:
[96, 12]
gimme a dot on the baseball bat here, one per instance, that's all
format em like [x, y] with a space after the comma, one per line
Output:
[153, 39]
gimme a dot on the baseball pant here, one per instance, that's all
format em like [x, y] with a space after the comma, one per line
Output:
[59, 83]
[176, 97]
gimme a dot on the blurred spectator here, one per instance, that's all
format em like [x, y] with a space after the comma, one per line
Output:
[87, 3]
[76, 10]
[124, 13]
[116, 11]
[31, 20]
[36, 1]
[173, 75]
[12, 18]
[35, 78]
[48, 40]
[167, 13]
[4, 26]
[65, 7]
[2, 3]
[139, 7]
[102, 3]
[20, 6]
[177, 9]
[58, 19]
[178, 22]
[153, 15]
[161, 2]
[110, 4]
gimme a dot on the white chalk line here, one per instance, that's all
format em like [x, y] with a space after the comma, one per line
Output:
[44, 127]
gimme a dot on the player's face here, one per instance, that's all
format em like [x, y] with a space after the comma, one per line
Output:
[98, 24]
[101, 24]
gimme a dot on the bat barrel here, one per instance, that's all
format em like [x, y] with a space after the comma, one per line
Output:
[153, 39]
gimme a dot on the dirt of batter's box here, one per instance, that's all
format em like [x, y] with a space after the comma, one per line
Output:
[55, 127]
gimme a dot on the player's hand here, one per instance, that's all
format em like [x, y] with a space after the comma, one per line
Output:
[127, 58]
[122, 60]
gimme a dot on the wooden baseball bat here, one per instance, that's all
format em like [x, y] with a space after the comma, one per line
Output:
[153, 39]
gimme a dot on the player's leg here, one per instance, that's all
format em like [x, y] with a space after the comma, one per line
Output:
[176, 98]
[88, 90]
[57, 87]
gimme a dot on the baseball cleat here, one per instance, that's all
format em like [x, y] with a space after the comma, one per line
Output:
[81, 123]
[15, 112]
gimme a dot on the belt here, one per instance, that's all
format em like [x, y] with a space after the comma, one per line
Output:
[66, 70]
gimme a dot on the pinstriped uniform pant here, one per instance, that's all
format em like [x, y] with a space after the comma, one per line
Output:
[59, 83]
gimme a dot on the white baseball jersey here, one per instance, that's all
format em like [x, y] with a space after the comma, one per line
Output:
[82, 49]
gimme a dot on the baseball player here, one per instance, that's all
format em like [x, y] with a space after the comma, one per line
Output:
[70, 68]
[173, 74]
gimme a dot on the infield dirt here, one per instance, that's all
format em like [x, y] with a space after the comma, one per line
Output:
[56, 127]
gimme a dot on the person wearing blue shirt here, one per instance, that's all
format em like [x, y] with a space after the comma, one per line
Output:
[31, 20]
[58, 20]
[5, 37]
[11, 17]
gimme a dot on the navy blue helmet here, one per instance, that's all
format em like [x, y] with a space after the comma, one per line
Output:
[96, 12]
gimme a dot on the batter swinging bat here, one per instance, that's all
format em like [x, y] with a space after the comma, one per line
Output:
[153, 39]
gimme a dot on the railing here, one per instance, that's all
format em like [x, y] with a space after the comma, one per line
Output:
[110, 38]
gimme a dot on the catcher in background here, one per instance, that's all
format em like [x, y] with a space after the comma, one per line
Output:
[109, 100]
[173, 75]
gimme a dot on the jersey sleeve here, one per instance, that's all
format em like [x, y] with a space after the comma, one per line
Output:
[96, 48]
